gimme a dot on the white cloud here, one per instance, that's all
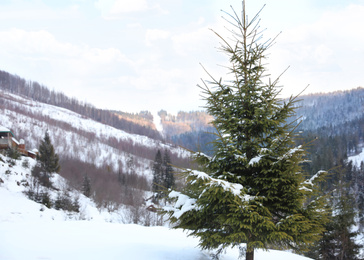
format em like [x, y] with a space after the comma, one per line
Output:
[105, 77]
[20, 42]
[153, 35]
[128, 6]
[194, 41]
[156, 79]
[64, 66]
[322, 53]
[44, 44]
[148, 56]
[114, 9]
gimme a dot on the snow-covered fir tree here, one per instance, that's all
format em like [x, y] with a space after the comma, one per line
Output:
[252, 190]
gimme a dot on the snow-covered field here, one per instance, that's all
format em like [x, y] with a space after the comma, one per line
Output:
[96, 240]
[29, 230]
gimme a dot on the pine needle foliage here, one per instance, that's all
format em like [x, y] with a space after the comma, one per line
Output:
[252, 190]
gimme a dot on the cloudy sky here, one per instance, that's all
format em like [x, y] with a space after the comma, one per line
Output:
[135, 55]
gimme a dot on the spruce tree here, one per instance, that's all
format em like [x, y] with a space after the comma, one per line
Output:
[252, 190]
[157, 173]
[47, 162]
[47, 157]
[344, 223]
[361, 210]
[168, 177]
[339, 239]
[86, 186]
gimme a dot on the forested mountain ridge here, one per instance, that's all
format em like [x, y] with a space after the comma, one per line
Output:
[143, 118]
[330, 109]
[326, 115]
[314, 111]
[184, 122]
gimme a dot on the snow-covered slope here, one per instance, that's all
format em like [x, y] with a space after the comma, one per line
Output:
[76, 136]
[357, 159]
[333, 109]
[29, 230]
[15, 206]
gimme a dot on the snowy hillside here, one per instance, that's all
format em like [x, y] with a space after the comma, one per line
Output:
[330, 109]
[78, 137]
[29, 230]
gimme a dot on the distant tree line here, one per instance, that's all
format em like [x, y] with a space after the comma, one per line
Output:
[141, 116]
[184, 122]
[196, 140]
[330, 110]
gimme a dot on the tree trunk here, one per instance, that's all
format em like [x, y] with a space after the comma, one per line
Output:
[249, 255]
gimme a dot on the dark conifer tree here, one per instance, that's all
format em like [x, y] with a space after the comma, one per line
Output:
[49, 160]
[344, 213]
[157, 185]
[361, 209]
[41, 176]
[86, 186]
[339, 239]
[168, 177]
[252, 190]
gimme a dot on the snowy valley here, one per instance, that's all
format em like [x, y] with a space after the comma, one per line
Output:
[115, 222]
[30, 230]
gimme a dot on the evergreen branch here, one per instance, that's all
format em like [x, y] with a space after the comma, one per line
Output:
[257, 15]
[277, 79]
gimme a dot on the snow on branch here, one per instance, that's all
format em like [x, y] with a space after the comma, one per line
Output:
[291, 152]
[308, 184]
[183, 204]
[255, 160]
[200, 154]
[313, 178]
[235, 188]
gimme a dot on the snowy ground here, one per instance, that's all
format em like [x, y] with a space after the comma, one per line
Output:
[96, 240]
[29, 230]
[47, 239]
[26, 232]
[357, 159]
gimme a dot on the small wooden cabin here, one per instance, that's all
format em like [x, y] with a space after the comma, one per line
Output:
[7, 140]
